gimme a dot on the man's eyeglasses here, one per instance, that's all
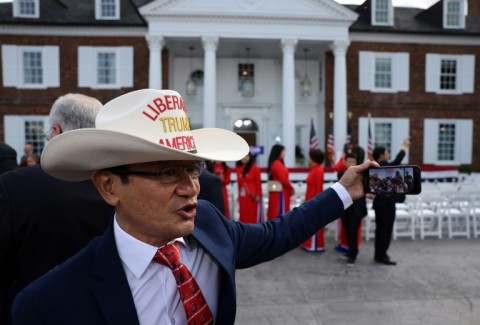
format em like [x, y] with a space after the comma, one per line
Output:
[167, 175]
[46, 135]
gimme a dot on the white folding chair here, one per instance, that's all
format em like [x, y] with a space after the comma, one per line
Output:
[369, 223]
[430, 213]
[475, 215]
[405, 216]
[458, 215]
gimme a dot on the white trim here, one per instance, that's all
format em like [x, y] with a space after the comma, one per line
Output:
[390, 14]
[398, 38]
[400, 71]
[465, 73]
[16, 10]
[99, 31]
[461, 14]
[463, 141]
[98, 11]
[88, 71]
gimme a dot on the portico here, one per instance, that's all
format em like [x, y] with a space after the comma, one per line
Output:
[277, 32]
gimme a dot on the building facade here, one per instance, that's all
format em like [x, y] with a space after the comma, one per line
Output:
[264, 69]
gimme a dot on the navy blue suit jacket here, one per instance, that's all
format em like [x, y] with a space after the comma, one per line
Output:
[91, 287]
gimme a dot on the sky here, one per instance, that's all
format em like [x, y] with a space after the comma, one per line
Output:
[396, 3]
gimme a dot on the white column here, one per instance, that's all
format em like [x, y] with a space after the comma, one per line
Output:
[155, 44]
[339, 95]
[288, 100]
[210, 82]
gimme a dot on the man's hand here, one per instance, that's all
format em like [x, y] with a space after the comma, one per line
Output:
[352, 179]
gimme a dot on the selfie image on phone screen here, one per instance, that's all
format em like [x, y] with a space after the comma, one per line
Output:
[394, 179]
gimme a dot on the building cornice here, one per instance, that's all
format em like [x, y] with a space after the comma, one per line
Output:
[96, 31]
[414, 39]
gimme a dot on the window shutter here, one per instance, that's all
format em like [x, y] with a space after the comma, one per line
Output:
[464, 141]
[365, 71]
[85, 67]
[430, 141]
[401, 75]
[51, 64]
[125, 65]
[10, 66]
[468, 74]
[432, 73]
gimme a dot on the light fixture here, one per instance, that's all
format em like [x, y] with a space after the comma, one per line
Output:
[247, 85]
[191, 85]
[305, 84]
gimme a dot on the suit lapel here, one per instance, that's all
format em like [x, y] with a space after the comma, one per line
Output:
[112, 291]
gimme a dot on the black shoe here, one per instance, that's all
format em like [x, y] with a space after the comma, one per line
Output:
[385, 261]
[350, 262]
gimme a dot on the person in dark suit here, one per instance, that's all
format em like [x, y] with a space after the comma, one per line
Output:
[44, 220]
[147, 164]
[8, 158]
[353, 216]
[211, 190]
[384, 206]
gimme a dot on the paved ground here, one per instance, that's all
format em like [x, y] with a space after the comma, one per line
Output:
[435, 282]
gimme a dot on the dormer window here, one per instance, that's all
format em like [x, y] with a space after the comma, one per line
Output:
[107, 9]
[454, 14]
[382, 12]
[26, 8]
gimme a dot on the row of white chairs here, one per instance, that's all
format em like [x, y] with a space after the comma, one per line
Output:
[455, 214]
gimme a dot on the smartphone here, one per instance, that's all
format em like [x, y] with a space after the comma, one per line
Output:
[402, 179]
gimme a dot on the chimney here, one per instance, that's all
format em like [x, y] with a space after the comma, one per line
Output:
[473, 8]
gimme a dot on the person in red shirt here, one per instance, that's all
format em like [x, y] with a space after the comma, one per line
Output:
[280, 189]
[249, 182]
[314, 181]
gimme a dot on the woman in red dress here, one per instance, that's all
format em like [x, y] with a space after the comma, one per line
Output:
[281, 191]
[250, 199]
[221, 170]
[314, 181]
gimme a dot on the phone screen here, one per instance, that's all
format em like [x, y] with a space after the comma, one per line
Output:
[404, 179]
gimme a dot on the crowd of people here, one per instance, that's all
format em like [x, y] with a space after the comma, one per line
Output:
[124, 218]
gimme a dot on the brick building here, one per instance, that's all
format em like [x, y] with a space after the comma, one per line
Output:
[273, 66]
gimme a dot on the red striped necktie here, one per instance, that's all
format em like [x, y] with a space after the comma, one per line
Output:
[196, 308]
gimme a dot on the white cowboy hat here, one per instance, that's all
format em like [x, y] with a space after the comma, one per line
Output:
[141, 126]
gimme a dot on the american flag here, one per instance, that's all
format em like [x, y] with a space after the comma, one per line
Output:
[370, 141]
[314, 145]
[331, 147]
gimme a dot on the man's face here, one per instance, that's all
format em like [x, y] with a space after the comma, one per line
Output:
[153, 212]
[349, 162]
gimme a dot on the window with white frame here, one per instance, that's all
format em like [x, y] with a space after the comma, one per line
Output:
[30, 66]
[26, 8]
[105, 67]
[450, 74]
[107, 9]
[22, 129]
[448, 141]
[386, 132]
[384, 71]
[454, 14]
[382, 12]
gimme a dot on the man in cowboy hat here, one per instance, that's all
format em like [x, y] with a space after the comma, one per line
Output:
[145, 161]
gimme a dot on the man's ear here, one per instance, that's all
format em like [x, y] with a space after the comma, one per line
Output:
[106, 184]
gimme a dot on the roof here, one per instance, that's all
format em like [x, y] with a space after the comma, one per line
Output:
[81, 13]
[414, 21]
[75, 12]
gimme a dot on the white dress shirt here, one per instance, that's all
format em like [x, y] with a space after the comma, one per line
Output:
[153, 286]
